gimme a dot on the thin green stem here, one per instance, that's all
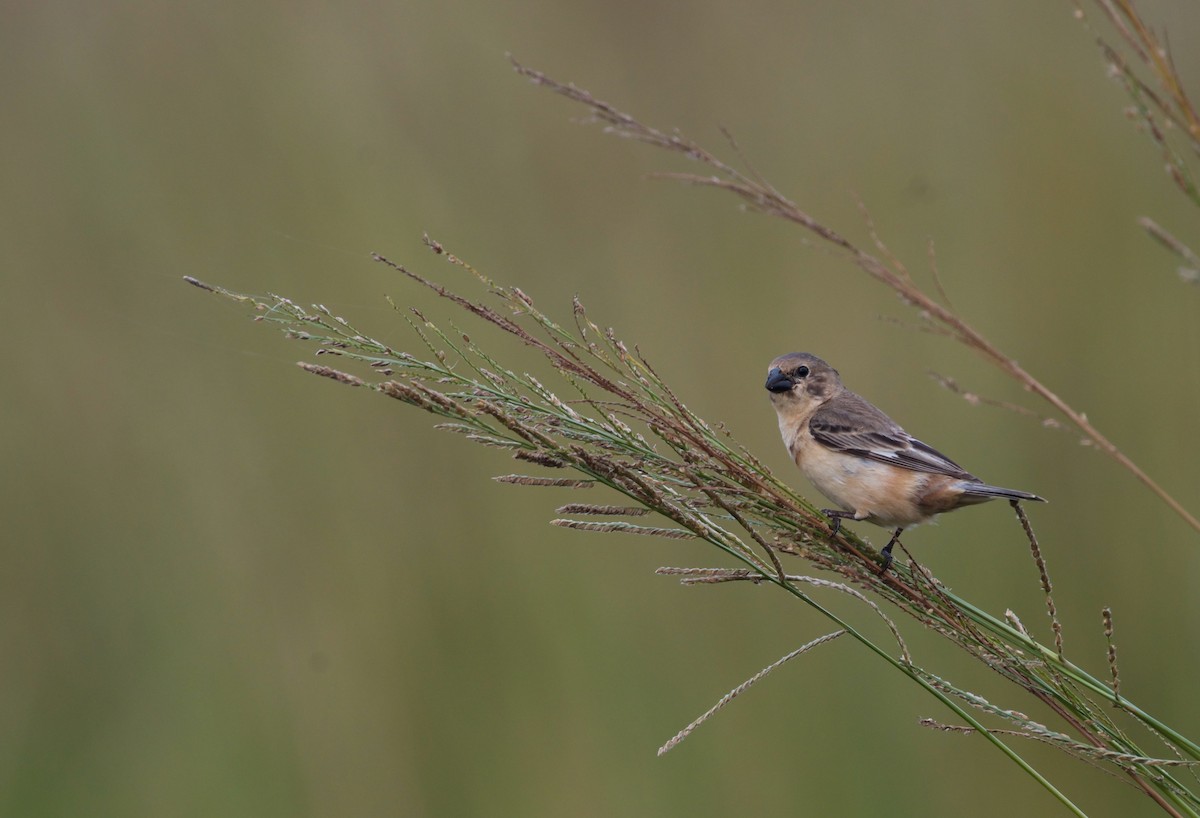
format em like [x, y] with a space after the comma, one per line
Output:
[952, 705]
[1074, 672]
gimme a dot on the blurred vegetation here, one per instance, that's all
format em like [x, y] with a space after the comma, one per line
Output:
[227, 590]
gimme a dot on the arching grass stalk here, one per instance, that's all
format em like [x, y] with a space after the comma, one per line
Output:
[624, 428]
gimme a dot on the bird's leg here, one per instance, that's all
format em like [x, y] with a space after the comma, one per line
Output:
[836, 516]
[887, 551]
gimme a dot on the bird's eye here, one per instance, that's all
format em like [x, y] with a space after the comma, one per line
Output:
[801, 372]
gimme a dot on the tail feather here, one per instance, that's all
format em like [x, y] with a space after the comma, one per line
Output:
[984, 491]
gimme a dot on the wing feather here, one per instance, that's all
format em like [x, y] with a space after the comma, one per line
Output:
[850, 424]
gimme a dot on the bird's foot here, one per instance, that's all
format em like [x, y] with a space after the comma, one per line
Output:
[887, 551]
[836, 515]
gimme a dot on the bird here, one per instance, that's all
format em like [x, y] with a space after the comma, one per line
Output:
[861, 459]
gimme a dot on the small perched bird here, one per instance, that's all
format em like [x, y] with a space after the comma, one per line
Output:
[860, 458]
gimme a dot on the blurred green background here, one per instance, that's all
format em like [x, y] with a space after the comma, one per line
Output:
[229, 588]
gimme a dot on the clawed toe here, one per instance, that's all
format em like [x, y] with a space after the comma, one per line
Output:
[887, 552]
[835, 519]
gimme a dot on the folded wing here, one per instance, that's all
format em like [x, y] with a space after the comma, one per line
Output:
[852, 425]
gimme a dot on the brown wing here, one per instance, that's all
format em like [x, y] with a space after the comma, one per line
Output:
[850, 424]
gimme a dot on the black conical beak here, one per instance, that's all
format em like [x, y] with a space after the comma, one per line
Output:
[778, 382]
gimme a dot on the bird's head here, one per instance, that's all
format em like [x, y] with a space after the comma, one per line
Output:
[800, 382]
